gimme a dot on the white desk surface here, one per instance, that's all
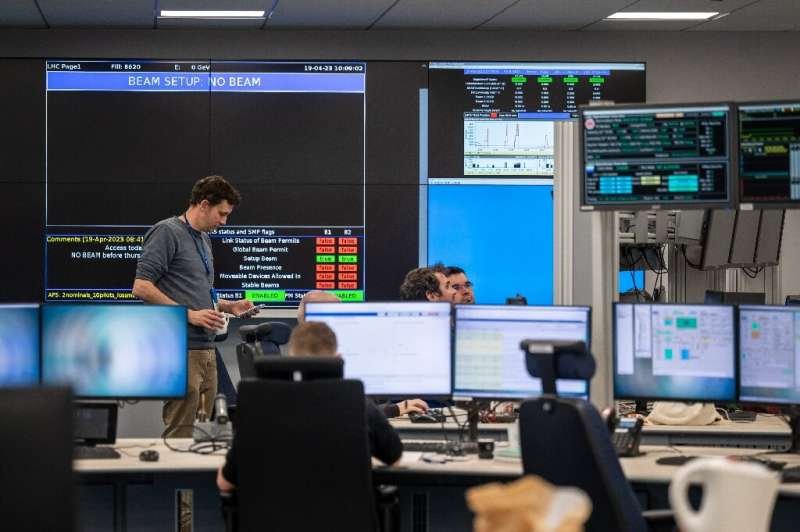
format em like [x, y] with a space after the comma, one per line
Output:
[169, 461]
[764, 424]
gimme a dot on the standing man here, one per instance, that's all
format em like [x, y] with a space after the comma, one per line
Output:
[461, 284]
[426, 284]
[176, 267]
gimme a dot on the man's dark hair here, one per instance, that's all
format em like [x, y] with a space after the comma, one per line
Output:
[215, 189]
[439, 267]
[418, 283]
[453, 270]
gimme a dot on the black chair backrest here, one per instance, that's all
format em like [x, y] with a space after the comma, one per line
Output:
[565, 442]
[277, 336]
[299, 368]
[260, 340]
[36, 482]
[303, 457]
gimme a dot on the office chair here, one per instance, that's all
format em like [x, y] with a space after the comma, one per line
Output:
[37, 491]
[303, 456]
[259, 341]
[566, 442]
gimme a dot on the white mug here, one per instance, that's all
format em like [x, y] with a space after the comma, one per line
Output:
[737, 496]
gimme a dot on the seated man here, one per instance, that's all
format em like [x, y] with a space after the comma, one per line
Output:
[317, 339]
[390, 410]
[426, 284]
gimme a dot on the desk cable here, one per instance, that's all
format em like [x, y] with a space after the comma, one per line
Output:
[205, 447]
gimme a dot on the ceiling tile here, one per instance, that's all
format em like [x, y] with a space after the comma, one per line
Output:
[98, 13]
[766, 15]
[554, 14]
[451, 14]
[642, 25]
[20, 13]
[340, 14]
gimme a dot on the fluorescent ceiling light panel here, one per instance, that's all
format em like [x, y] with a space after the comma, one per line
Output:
[662, 15]
[168, 13]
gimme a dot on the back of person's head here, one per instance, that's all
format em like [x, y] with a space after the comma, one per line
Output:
[215, 189]
[313, 339]
[439, 267]
[454, 270]
[314, 296]
[418, 283]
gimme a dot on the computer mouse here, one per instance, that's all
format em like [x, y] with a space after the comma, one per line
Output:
[417, 417]
[149, 455]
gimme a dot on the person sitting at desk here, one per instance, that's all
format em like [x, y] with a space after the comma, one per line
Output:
[400, 408]
[317, 339]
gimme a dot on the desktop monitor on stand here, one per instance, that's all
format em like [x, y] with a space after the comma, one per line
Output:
[399, 349]
[487, 362]
[19, 345]
[674, 352]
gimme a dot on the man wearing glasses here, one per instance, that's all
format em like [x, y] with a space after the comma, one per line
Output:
[461, 284]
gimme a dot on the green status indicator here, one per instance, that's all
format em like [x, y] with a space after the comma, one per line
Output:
[597, 79]
[544, 79]
[519, 79]
[266, 296]
[686, 323]
[348, 258]
[326, 258]
[349, 295]
[570, 80]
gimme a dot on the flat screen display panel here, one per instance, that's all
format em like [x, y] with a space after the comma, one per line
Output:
[674, 352]
[745, 238]
[769, 354]
[769, 154]
[116, 351]
[396, 349]
[770, 236]
[717, 239]
[19, 345]
[487, 359]
[651, 156]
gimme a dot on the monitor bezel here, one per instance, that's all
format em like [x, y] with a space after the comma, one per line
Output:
[500, 397]
[759, 204]
[731, 399]
[76, 393]
[764, 400]
[733, 158]
[399, 395]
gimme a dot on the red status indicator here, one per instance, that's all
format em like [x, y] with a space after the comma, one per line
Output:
[346, 276]
[325, 241]
[326, 267]
[326, 276]
[325, 285]
[345, 285]
[326, 250]
[347, 241]
[348, 267]
[349, 250]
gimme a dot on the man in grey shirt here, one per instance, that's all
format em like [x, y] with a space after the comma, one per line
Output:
[177, 268]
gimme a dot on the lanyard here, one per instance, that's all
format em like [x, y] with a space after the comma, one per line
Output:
[199, 246]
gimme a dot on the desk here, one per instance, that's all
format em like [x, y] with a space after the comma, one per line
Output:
[142, 494]
[767, 432]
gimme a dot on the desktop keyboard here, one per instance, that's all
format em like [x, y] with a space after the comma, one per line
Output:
[441, 447]
[83, 452]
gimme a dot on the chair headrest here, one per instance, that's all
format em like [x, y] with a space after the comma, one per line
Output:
[299, 368]
[572, 360]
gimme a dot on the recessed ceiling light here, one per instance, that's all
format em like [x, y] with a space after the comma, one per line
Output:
[167, 13]
[662, 15]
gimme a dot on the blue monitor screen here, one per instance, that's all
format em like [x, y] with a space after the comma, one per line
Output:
[19, 345]
[116, 351]
[502, 235]
[769, 354]
[674, 352]
[629, 280]
[488, 361]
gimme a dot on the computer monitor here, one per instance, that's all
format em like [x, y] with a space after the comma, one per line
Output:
[745, 238]
[734, 298]
[769, 154]
[674, 352]
[19, 345]
[769, 354]
[125, 351]
[718, 237]
[395, 349]
[649, 156]
[770, 236]
[487, 360]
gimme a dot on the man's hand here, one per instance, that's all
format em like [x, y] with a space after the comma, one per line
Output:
[235, 307]
[207, 318]
[412, 405]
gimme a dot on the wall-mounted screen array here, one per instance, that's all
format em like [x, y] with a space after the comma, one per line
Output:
[674, 352]
[488, 135]
[487, 360]
[668, 155]
[19, 345]
[769, 354]
[116, 351]
[769, 153]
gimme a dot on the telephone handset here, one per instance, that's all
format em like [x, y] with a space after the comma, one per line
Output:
[626, 435]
